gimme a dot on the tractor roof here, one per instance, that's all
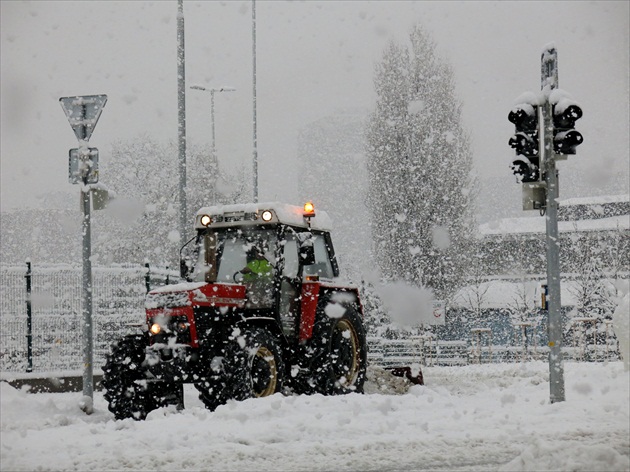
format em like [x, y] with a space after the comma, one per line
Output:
[249, 214]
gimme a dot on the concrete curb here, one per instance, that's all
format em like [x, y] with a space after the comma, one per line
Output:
[51, 384]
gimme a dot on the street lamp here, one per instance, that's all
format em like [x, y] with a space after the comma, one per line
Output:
[212, 91]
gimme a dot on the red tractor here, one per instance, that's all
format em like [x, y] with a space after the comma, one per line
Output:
[260, 312]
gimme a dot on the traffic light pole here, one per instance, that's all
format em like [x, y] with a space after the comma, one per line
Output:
[549, 79]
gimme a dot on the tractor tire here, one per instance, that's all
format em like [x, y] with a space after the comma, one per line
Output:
[249, 365]
[124, 380]
[338, 354]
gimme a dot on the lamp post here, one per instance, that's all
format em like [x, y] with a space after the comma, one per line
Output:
[255, 125]
[212, 91]
[214, 150]
[181, 122]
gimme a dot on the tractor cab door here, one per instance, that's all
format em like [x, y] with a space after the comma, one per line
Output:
[306, 256]
[290, 287]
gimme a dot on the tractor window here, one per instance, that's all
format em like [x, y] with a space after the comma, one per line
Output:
[322, 266]
[291, 265]
[234, 245]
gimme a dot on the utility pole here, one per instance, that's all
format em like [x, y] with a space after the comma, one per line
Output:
[181, 120]
[255, 137]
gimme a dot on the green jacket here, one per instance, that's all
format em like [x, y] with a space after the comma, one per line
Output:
[260, 269]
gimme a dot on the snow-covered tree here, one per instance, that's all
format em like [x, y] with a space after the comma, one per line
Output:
[595, 293]
[142, 223]
[420, 165]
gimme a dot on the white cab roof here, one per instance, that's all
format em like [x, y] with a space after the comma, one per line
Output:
[247, 214]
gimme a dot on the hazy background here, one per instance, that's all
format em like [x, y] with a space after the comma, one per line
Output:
[313, 60]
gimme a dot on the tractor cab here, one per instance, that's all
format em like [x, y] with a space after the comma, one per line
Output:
[259, 310]
[270, 248]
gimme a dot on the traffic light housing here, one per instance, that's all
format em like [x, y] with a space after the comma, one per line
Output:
[565, 137]
[525, 141]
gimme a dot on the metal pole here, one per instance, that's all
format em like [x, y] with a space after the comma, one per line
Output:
[549, 80]
[255, 167]
[87, 402]
[181, 122]
[214, 157]
[147, 277]
[88, 387]
[212, 120]
[29, 318]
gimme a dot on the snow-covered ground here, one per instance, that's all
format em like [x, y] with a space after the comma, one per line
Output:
[479, 417]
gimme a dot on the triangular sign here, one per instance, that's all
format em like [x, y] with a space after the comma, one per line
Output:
[83, 113]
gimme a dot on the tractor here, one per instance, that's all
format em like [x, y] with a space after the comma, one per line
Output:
[260, 311]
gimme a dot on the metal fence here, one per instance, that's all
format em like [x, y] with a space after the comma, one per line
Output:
[429, 351]
[118, 308]
[56, 297]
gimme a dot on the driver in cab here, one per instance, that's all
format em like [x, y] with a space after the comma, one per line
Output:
[258, 268]
[258, 275]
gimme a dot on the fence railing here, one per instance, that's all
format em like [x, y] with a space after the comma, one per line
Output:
[56, 317]
[428, 351]
[118, 306]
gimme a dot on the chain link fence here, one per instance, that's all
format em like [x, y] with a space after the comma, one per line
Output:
[56, 317]
[118, 309]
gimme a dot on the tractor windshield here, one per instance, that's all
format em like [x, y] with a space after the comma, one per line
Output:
[225, 255]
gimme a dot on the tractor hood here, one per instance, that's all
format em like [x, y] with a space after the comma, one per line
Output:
[196, 294]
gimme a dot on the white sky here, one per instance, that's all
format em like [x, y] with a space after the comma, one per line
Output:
[314, 58]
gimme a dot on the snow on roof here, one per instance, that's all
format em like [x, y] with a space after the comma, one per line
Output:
[533, 225]
[600, 200]
[288, 214]
[496, 294]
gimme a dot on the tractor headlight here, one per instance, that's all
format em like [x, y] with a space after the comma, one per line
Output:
[181, 326]
[164, 328]
[267, 215]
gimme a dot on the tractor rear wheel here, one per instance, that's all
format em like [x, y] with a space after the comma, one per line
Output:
[338, 353]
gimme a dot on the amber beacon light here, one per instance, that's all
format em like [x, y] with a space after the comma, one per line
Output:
[309, 209]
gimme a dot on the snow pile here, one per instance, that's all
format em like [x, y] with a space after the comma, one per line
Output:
[621, 326]
[382, 381]
[473, 418]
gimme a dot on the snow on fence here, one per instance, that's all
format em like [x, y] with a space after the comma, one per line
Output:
[118, 305]
[56, 294]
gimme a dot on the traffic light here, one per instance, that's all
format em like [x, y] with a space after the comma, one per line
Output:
[525, 142]
[565, 137]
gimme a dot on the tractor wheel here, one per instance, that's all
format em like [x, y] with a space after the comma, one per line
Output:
[338, 354]
[124, 379]
[249, 365]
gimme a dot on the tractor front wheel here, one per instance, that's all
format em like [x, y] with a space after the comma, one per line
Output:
[124, 379]
[249, 365]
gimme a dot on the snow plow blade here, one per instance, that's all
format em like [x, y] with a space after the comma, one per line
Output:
[407, 373]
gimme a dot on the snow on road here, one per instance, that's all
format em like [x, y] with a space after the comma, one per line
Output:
[479, 417]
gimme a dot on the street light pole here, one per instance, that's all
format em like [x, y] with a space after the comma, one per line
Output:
[212, 92]
[255, 132]
[181, 121]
